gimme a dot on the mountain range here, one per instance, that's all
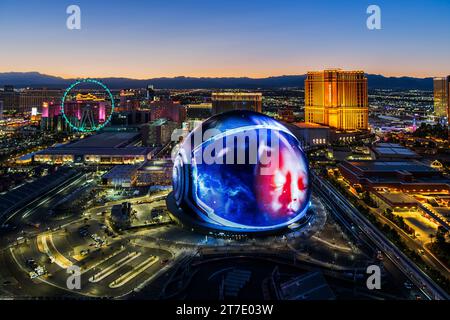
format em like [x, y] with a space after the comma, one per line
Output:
[36, 79]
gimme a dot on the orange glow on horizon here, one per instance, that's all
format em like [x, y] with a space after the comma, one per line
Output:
[216, 73]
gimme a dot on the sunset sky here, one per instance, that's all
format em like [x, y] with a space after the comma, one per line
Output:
[255, 38]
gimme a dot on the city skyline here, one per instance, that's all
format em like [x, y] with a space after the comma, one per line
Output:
[36, 72]
[207, 39]
[218, 157]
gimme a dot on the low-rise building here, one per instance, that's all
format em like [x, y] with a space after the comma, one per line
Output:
[392, 151]
[155, 173]
[104, 148]
[121, 175]
[404, 176]
[121, 215]
[310, 134]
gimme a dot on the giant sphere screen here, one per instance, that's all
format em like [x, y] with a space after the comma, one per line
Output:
[270, 192]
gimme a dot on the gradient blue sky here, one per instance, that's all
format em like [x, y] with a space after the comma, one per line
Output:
[256, 38]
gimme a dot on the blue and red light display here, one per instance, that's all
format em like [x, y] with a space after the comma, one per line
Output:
[250, 174]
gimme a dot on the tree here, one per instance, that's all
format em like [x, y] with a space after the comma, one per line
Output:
[431, 236]
[440, 235]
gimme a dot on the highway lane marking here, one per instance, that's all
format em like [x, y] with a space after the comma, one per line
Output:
[130, 275]
[57, 257]
[39, 244]
[114, 267]
[332, 245]
[103, 261]
[157, 274]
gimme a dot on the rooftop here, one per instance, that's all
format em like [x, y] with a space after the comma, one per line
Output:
[156, 165]
[121, 171]
[206, 105]
[129, 151]
[393, 150]
[105, 143]
[310, 125]
[105, 140]
[391, 166]
[398, 198]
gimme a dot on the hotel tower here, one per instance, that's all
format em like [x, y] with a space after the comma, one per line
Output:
[441, 96]
[226, 101]
[337, 99]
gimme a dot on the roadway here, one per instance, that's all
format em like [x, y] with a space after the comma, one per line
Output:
[427, 255]
[113, 270]
[341, 205]
[45, 201]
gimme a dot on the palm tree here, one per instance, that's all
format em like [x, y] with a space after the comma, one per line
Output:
[431, 236]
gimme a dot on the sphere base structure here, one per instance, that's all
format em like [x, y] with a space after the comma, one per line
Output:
[189, 221]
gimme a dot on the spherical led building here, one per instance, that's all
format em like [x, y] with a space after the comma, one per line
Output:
[241, 172]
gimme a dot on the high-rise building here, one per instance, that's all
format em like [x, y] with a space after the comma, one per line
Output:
[171, 110]
[1, 110]
[10, 99]
[227, 101]
[24, 100]
[199, 110]
[158, 132]
[337, 99]
[441, 97]
[34, 98]
[150, 93]
[52, 119]
[85, 109]
[129, 101]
